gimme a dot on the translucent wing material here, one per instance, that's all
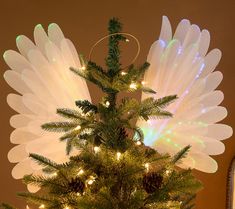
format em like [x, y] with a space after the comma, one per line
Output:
[179, 64]
[41, 76]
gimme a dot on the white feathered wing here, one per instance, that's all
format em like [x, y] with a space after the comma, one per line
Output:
[41, 76]
[179, 64]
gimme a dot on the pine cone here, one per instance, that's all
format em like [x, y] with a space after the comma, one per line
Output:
[122, 134]
[76, 185]
[152, 181]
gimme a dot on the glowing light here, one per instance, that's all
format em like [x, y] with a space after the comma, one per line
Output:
[133, 86]
[51, 25]
[138, 142]
[18, 38]
[41, 206]
[83, 68]
[78, 194]
[146, 165]
[168, 131]
[127, 40]
[96, 149]
[162, 43]
[90, 182]
[118, 155]
[143, 82]
[149, 122]
[27, 207]
[168, 139]
[203, 110]
[78, 127]
[123, 73]
[55, 174]
[168, 172]
[67, 207]
[107, 103]
[38, 26]
[80, 172]
[179, 50]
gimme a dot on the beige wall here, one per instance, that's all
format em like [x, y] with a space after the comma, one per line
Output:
[84, 21]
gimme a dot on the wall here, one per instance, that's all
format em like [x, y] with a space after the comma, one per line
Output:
[85, 22]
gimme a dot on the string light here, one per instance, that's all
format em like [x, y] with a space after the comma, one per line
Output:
[83, 68]
[107, 103]
[168, 172]
[133, 86]
[143, 82]
[55, 174]
[41, 206]
[78, 194]
[80, 172]
[123, 73]
[138, 142]
[27, 207]
[96, 149]
[127, 40]
[118, 155]
[91, 180]
[146, 165]
[78, 127]
[67, 207]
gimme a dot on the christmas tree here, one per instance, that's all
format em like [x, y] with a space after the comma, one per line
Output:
[113, 168]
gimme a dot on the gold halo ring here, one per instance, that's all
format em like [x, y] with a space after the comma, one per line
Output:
[126, 34]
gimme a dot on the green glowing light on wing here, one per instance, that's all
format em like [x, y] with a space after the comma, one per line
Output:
[51, 25]
[4, 55]
[18, 38]
[38, 26]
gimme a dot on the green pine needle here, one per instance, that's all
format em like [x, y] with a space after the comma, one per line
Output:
[181, 154]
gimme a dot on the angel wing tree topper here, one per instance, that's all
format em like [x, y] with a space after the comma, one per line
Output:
[95, 156]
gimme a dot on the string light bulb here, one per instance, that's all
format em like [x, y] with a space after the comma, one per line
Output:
[133, 86]
[146, 165]
[66, 207]
[107, 103]
[118, 155]
[55, 174]
[143, 82]
[80, 172]
[83, 67]
[78, 127]
[138, 142]
[41, 206]
[127, 40]
[27, 207]
[96, 149]
[91, 180]
[123, 73]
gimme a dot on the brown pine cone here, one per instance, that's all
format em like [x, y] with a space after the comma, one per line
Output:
[152, 181]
